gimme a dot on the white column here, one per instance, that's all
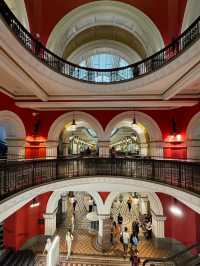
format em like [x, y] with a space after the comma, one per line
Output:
[65, 148]
[50, 223]
[156, 149]
[104, 148]
[16, 148]
[158, 225]
[51, 149]
[64, 203]
[143, 149]
[193, 149]
[104, 231]
[143, 205]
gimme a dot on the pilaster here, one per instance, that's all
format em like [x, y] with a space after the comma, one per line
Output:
[158, 225]
[193, 149]
[104, 148]
[51, 149]
[50, 223]
[103, 239]
[156, 149]
[16, 148]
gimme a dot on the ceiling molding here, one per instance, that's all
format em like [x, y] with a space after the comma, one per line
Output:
[88, 105]
[185, 80]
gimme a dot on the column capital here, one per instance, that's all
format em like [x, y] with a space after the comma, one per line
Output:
[103, 216]
[50, 215]
[158, 217]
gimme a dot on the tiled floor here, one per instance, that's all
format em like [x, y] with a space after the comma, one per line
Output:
[84, 243]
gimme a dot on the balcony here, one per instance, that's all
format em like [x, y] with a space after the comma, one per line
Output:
[170, 72]
[18, 176]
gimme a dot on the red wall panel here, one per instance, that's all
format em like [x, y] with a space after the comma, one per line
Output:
[183, 228]
[23, 224]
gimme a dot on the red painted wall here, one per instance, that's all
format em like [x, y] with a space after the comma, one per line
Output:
[104, 195]
[167, 15]
[23, 224]
[185, 228]
[162, 117]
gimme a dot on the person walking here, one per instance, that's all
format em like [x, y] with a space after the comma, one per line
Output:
[125, 240]
[69, 237]
[136, 228]
[149, 230]
[134, 241]
[129, 203]
[120, 221]
[134, 258]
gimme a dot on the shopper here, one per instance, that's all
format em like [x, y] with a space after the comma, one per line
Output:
[125, 240]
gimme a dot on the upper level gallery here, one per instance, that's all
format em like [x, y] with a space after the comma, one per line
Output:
[30, 71]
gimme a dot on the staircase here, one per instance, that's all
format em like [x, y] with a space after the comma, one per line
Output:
[19, 258]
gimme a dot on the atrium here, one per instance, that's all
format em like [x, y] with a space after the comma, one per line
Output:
[99, 132]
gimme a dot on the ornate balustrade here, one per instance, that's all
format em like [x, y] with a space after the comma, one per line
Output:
[100, 76]
[16, 176]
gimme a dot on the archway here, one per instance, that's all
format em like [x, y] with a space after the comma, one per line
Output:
[85, 202]
[191, 13]
[193, 138]
[110, 13]
[13, 134]
[147, 130]
[19, 9]
[84, 121]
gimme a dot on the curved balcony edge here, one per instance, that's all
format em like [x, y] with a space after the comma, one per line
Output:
[101, 76]
[21, 175]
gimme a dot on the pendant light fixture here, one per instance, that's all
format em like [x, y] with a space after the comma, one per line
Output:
[73, 125]
[134, 123]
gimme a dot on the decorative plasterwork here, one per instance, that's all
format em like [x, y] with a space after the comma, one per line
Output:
[110, 13]
[112, 104]
[109, 46]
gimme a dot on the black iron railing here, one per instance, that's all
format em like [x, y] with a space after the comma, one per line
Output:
[100, 76]
[188, 256]
[19, 175]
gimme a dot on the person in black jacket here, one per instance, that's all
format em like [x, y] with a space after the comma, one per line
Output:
[120, 220]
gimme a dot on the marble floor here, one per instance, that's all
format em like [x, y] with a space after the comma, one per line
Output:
[84, 243]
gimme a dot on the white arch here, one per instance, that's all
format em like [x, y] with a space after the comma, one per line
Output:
[52, 203]
[110, 13]
[193, 128]
[193, 138]
[19, 9]
[80, 117]
[13, 125]
[93, 47]
[192, 11]
[155, 203]
[127, 118]
[94, 184]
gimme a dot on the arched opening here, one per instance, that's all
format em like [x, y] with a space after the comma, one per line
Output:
[135, 133]
[77, 140]
[74, 133]
[193, 138]
[105, 13]
[12, 136]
